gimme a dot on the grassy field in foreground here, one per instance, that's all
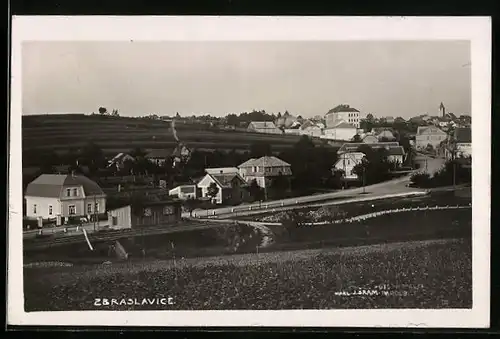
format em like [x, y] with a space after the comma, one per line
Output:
[434, 274]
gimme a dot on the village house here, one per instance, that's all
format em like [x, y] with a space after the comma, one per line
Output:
[158, 156]
[396, 155]
[286, 122]
[311, 129]
[181, 153]
[231, 187]
[151, 213]
[343, 113]
[341, 131]
[119, 161]
[267, 127]
[462, 139]
[346, 163]
[429, 135]
[53, 195]
[263, 170]
[383, 133]
[369, 139]
[184, 192]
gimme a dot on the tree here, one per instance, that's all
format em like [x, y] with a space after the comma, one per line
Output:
[369, 117]
[357, 138]
[280, 185]
[375, 167]
[429, 148]
[259, 149]
[177, 115]
[212, 190]
[255, 191]
[138, 152]
[279, 115]
[115, 113]
[190, 205]
[103, 110]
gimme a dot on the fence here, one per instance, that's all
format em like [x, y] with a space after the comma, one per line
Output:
[292, 203]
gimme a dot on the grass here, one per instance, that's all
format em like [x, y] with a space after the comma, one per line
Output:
[59, 132]
[351, 209]
[413, 275]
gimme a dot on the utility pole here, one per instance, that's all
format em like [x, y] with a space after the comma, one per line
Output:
[265, 183]
[364, 179]
[95, 213]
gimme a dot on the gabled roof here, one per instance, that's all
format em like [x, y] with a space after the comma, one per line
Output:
[342, 108]
[396, 150]
[158, 153]
[309, 123]
[267, 161]
[225, 180]
[421, 130]
[463, 135]
[51, 185]
[262, 124]
[221, 170]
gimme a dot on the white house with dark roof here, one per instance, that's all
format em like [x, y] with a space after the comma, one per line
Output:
[341, 131]
[344, 113]
[267, 127]
[232, 188]
[264, 169]
[68, 195]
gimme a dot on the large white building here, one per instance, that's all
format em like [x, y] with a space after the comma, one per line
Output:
[52, 195]
[341, 131]
[342, 113]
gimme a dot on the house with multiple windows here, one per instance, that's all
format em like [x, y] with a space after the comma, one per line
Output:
[311, 129]
[429, 135]
[263, 170]
[52, 195]
[343, 113]
[231, 187]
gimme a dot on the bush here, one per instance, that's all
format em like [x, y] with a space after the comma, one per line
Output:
[421, 179]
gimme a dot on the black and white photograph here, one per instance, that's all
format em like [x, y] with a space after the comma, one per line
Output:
[280, 172]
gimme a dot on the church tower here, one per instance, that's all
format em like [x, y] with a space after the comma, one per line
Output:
[442, 110]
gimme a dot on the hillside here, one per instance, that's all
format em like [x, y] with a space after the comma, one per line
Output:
[114, 134]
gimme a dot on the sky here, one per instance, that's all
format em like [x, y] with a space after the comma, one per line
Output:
[385, 78]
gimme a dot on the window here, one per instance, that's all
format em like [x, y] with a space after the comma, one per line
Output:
[148, 212]
[50, 209]
[68, 192]
[115, 221]
[168, 210]
[34, 208]
[71, 210]
[89, 208]
[75, 192]
[96, 209]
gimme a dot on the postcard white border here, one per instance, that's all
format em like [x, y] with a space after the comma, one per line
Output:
[101, 28]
